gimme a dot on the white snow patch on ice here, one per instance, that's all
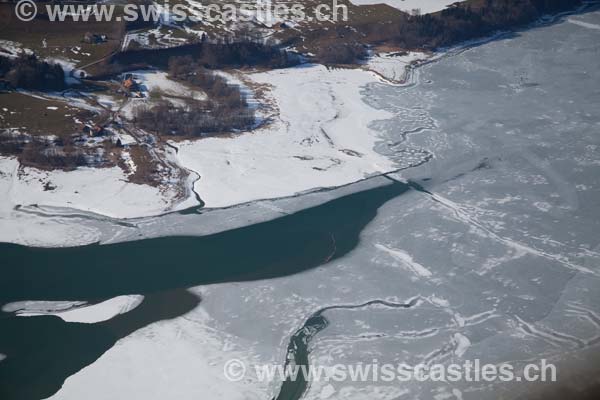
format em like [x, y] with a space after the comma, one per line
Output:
[90, 314]
[583, 24]
[462, 344]
[406, 259]
[438, 301]
[40, 306]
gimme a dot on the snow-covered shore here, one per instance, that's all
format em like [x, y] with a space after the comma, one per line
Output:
[395, 67]
[319, 136]
[315, 134]
[103, 191]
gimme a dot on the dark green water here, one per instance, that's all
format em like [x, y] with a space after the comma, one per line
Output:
[43, 351]
[299, 346]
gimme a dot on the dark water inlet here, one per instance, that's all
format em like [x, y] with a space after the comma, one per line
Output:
[43, 351]
[293, 388]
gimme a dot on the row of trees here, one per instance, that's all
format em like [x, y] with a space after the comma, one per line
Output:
[343, 53]
[227, 52]
[458, 22]
[196, 119]
[225, 110]
[27, 71]
[245, 52]
[41, 152]
[464, 21]
[215, 86]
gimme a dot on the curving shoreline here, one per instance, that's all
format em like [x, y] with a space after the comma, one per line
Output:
[43, 225]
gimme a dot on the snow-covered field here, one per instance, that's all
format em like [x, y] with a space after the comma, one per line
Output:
[99, 190]
[319, 136]
[424, 6]
[158, 80]
[103, 191]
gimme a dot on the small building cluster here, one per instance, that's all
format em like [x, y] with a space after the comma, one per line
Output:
[130, 87]
[93, 130]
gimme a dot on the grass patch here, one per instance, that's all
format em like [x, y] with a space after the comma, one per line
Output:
[60, 39]
[33, 116]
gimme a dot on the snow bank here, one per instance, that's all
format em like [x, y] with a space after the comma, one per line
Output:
[319, 137]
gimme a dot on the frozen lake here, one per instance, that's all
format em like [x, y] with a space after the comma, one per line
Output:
[491, 253]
